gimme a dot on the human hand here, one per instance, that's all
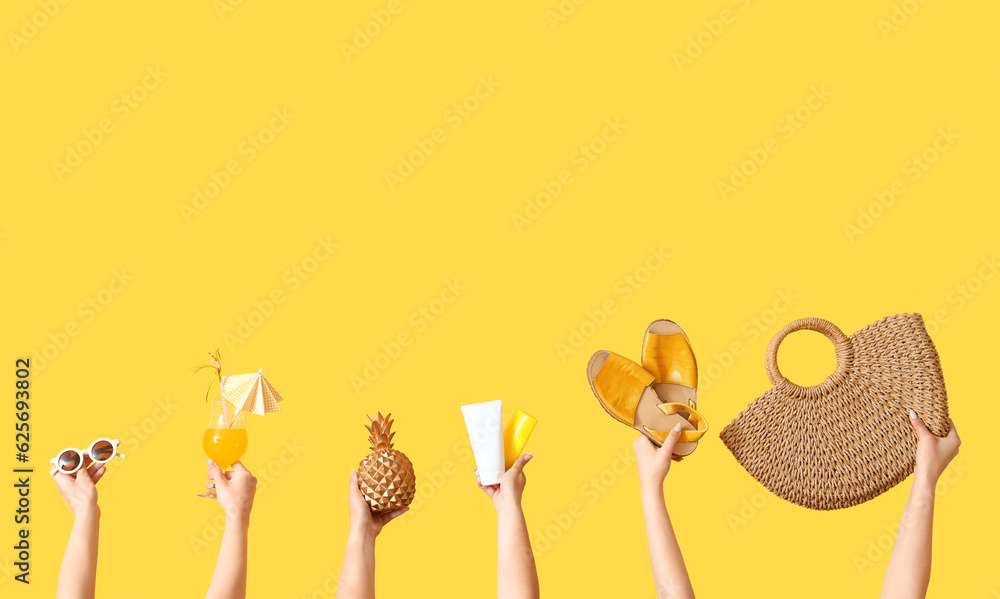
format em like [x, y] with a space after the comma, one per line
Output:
[652, 462]
[235, 489]
[78, 489]
[363, 521]
[933, 453]
[507, 493]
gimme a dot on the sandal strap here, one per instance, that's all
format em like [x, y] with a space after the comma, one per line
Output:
[671, 359]
[696, 418]
[621, 382]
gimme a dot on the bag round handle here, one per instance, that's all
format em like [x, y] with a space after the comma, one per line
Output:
[842, 345]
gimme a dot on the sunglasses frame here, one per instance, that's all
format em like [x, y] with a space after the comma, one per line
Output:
[87, 454]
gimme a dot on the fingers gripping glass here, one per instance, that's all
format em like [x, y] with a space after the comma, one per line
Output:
[100, 451]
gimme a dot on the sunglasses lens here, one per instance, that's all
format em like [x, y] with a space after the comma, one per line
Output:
[68, 461]
[102, 451]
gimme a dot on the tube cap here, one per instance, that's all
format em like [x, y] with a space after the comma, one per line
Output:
[490, 477]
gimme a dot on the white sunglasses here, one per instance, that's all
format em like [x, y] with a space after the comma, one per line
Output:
[100, 451]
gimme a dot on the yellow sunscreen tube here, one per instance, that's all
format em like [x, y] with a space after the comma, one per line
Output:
[515, 436]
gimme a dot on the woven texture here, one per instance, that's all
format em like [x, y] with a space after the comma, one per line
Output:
[848, 439]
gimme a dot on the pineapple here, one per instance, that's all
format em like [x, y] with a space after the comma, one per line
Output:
[386, 476]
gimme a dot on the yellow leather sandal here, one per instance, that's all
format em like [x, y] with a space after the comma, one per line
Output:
[667, 355]
[625, 391]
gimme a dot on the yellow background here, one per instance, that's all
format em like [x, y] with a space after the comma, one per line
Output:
[654, 186]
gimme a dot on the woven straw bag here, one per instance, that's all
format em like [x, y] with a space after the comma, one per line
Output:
[848, 439]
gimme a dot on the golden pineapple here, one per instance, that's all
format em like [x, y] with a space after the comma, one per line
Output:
[386, 476]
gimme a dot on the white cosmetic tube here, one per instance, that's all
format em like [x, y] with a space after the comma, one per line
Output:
[483, 422]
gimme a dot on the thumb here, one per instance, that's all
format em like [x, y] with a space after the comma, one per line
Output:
[239, 467]
[217, 474]
[83, 479]
[919, 427]
[389, 517]
[518, 466]
[671, 441]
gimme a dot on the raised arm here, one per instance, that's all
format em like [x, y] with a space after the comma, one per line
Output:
[516, 574]
[235, 490]
[78, 573]
[357, 574]
[909, 570]
[669, 573]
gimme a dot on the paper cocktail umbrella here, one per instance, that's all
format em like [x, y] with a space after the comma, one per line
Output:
[248, 392]
[251, 393]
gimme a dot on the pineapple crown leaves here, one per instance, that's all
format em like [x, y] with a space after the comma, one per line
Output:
[379, 435]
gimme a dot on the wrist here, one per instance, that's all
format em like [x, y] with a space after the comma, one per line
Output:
[509, 510]
[238, 517]
[509, 507]
[508, 520]
[362, 531]
[651, 493]
[924, 482]
[362, 538]
[89, 511]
